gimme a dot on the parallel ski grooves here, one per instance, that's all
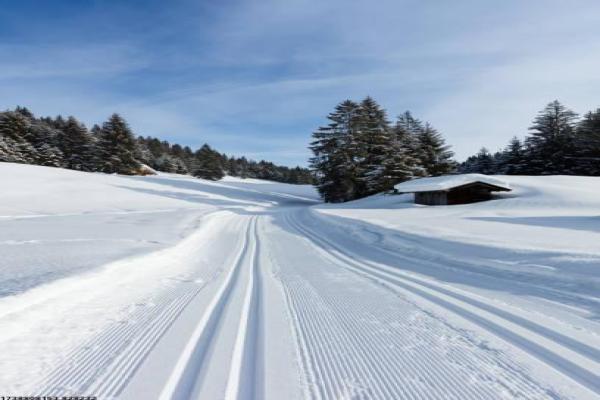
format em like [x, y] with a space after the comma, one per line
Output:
[182, 381]
[105, 364]
[459, 306]
[243, 375]
[242, 380]
[352, 347]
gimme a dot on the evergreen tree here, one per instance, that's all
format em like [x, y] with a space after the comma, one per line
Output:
[77, 146]
[435, 156]
[14, 130]
[49, 156]
[408, 130]
[9, 152]
[374, 143]
[334, 150]
[117, 147]
[481, 163]
[24, 111]
[165, 163]
[208, 164]
[513, 158]
[551, 144]
[588, 144]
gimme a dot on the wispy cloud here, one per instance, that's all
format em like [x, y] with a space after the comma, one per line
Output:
[258, 77]
[55, 61]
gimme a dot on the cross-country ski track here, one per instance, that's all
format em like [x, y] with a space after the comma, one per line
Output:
[268, 297]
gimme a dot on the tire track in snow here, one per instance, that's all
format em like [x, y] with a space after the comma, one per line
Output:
[198, 356]
[549, 349]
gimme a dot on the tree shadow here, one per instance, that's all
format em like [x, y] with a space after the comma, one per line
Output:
[237, 195]
[589, 223]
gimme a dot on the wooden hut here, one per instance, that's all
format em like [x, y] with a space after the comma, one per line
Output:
[453, 189]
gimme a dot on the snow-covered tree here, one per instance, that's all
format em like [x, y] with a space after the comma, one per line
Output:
[551, 144]
[14, 130]
[587, 144]
[117, 147]
[436, 158]
[208, 164]
[77, 146]
[336, 154]
[481, 163]
[513, 158]
[373, 140]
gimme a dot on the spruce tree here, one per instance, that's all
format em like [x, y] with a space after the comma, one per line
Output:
[373, 140]
[407, 131]
[14, 130]
[77, 146]
[436, 158]
[551, 144]
[588, 144]
[208, 164]
[335, 154]
[481, 163]
[117, 147]
[9, 152]
[513, 158]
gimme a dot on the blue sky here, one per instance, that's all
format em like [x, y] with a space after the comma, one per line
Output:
[257, 77]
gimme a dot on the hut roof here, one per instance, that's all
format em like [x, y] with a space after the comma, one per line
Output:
[447, 182]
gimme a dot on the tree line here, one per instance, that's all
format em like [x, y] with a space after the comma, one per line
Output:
[559, 143]
[113, 148]
[360, 152]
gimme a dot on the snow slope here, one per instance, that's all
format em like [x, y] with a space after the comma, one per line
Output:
[172, 287]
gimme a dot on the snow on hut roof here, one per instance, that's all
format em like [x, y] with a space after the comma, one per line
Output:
[447, 182]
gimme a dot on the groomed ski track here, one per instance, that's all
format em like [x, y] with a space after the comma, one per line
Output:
[396, 343]
[573, 358]
[266, 303]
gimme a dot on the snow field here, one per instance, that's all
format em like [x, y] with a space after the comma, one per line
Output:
[243, 289]
[575, 359]
[123, 309]
[358, 340]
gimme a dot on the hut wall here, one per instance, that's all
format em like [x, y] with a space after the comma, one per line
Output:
[431, 198]
[469, 194]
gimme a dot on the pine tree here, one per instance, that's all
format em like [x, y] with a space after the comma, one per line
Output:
[165, 163]
[408, 130]
[117, 147]
[208, 164]
[551, 144]
[486, 162]
[588, 144]
[335, 153]
[77, 146]
[481, 163]
[513, 158]
[14, 130]
[9, 152]
[49, 156]
[436, 157]
[373, 140]
[24, 111]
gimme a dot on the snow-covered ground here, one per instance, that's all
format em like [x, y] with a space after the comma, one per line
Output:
[172, 287]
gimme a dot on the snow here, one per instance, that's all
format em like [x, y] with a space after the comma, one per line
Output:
[447, 182]
[169, 286]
